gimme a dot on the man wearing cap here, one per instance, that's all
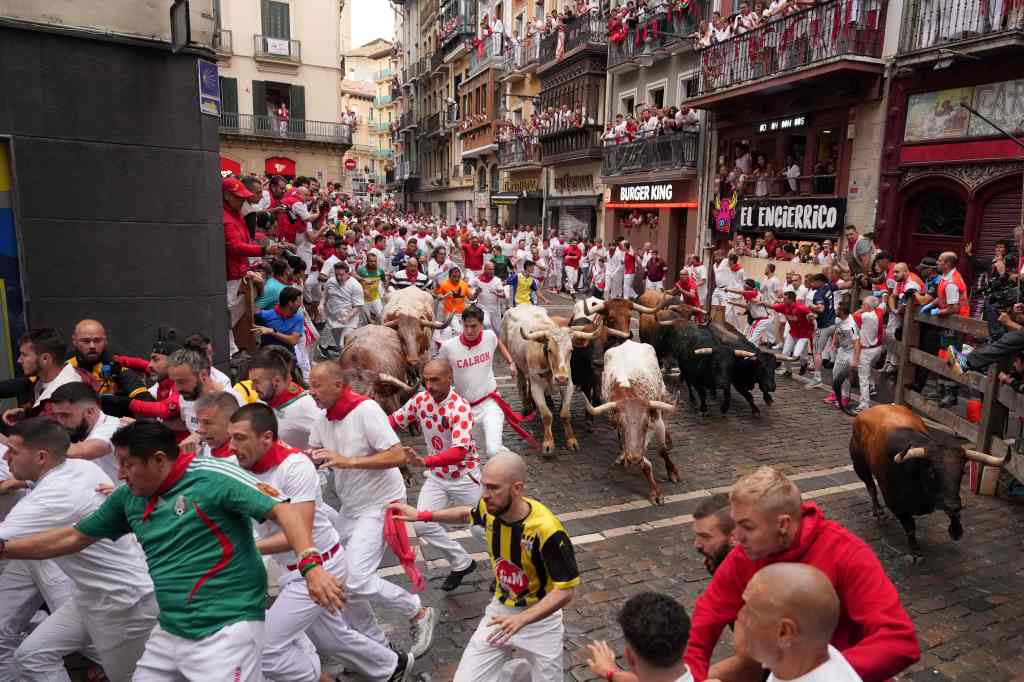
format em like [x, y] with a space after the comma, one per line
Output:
[237, 246]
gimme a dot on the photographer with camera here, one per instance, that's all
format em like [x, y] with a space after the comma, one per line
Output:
[1008, 345]
[998, 284]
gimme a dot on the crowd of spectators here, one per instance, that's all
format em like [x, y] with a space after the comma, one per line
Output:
[649, 122]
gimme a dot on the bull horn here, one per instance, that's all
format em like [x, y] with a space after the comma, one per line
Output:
[578, 333]
[438, 325]
[617, 332]
[538, 335]
[600, 409]
[644, 310]
[391, 323]
[685, 308]
[911, 453]
[588, 311]
[662, 406]
[983, 458]
[704, 351]
[744, 353]
[394, 381]
[669, 323]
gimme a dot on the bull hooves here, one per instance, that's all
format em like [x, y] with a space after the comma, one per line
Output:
[656, 498]
[572, 445]
[674, 476]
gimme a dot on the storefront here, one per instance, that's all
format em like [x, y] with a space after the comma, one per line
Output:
[574, 201]
[949, 177]
[520, 201]
[663, 213]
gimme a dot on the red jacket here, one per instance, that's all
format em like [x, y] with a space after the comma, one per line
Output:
[237, 247]
[874, 632]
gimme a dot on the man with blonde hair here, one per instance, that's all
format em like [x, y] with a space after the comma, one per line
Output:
[789, 614]
[774, 525]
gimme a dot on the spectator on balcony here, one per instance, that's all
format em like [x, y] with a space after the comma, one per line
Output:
[703, 36]
[282, 117]
[792, 174]
[686, 118]
[721, 28]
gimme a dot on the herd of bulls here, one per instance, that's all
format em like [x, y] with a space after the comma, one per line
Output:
[918, 469]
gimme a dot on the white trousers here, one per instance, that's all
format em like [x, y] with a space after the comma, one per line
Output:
[867, 359]
[492, 317]
[554, 274]
[488, 422]
[612, 286]
[759, 330]
[441, 493]
[119, 638]
[232, 654]
[795, 348]
[294, 614]
[627, 286]
[655, 286]
[844, 358]
[236, 309]
[571, 278]
[540, 642]
[373, 310]
[24, 587]
[363, 540]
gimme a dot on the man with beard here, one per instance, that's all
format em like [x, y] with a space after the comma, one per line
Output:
[77, 407]
[294, 407]
[712, 530]
[190, 372]
[41, 354]
[535, 574]
[109, 376]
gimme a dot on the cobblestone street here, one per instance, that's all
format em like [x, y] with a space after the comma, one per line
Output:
[964, 597]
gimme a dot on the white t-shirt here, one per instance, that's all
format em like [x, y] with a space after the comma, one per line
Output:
[339, 301]
[364, 431]
[297, 480]
[43, 391]
[491, 293]
[8, 501]
[472, 368]
[220, 377]
[835, 669]
[103, 430]
[106, 575]
[295, 420]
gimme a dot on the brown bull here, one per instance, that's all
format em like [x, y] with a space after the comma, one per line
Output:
[373, 360]
[918, 469]
[410, 312]
[617, 314]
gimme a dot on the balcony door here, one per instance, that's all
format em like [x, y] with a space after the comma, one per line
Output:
[267, 96]
[276, 20]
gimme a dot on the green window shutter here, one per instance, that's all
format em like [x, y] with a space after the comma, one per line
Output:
[229, 102]
[297, 109]
[259, 106]
[275, 19]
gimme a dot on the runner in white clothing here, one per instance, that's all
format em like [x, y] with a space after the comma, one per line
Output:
[214, 412]
[471, 357]
[353, 437]
[290, 472]
[489, 294]
[112, 605]
[453, 466]
[77, 407]
[294, 407]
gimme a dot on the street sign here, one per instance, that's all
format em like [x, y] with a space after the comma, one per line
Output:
[209, 88]
[350, 164]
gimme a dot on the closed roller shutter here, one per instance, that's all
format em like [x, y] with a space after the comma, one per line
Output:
[576, 223]
[999, 216]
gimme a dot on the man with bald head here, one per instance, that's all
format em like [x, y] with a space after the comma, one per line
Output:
[789, 613]
[534, 568]
[452, 463]
[774, 525]
[116, 384]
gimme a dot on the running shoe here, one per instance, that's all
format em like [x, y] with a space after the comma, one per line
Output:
[422, 630]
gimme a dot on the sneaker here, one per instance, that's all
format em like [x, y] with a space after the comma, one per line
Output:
[815, 381]
[846, 401]
[830, 400]
[957, 360]
[422, 631]
[454, 578]
[860, 408]
[403, 670]
[803, 369]
[873, 391]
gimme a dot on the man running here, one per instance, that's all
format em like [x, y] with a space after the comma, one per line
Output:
[535, 574]
[190, 515]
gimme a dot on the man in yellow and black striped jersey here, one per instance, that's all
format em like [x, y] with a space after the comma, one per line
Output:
[534, 570]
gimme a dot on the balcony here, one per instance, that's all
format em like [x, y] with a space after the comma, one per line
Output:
[431, 124]
[456, 20]
[383, 100]
[424, 67]
[450, 118]
[380, 126]
[222, 43]
[277, 49]
[383, 153]
[406, 169]
[518, 154]
[819, 43]
[249, 125]
[480, 140]
[581, 32]
[658, 153]
[522, 59]
[385, 74]
[571, 144]
[969, 27]
[407, 120]
[488, 54]
[645, 44]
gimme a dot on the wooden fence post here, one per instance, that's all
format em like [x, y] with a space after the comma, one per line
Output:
[911, 338]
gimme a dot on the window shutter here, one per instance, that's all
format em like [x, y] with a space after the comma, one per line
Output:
[229, 102]
[259, 106]
[275, 20]
[297, 109]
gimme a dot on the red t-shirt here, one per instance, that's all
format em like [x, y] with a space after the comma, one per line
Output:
[474, 257]
[796, 314]
[630, 263]
[571, 257]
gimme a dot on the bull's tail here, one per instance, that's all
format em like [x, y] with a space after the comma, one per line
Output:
[837, 389]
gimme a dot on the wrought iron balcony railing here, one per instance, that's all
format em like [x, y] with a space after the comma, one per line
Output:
[580, 31]
[488, 53]
[518, 153]
[659, 152]
[291, 129]
[456, 19]
[222, 43]
[927, 23]
[522, 56]
[648, 38]
[277, 48]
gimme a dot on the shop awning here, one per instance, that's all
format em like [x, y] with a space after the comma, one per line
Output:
[279, 165]
[230, 165]
[504, 199]
[655, 204]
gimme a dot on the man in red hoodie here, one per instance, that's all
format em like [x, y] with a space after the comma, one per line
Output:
[773, 525]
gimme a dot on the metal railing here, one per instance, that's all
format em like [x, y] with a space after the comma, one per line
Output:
[450, 118]
[222, 43]
[928, 23]
[407, 120]
[432, 123]
[436, 60]
[487, 54]
[522, 56]
[579, 140]
[381, 126]
[659, 152]
[831, 29]
[480, 136]
[276, 48]
[383, 153]
[650, 36]
[456, 18]
[579, 31]
[292, 129]
[518, 153]
[385, 73]
[780, 186]
[382, 100]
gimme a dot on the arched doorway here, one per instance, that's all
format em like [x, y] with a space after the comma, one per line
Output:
[935, 216]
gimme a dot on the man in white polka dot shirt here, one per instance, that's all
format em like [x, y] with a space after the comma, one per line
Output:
[452, 464]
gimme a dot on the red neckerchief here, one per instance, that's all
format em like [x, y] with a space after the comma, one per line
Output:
[177, 471]
[277, 453]
[470, 344]
[485, 278]
[224, 451]
[280, 312]
[291, 391]
[346, 402]
[735, 267]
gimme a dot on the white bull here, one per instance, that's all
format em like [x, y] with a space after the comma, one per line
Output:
[633, 387]
[541, 351]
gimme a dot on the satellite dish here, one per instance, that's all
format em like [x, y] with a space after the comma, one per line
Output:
[181, 32]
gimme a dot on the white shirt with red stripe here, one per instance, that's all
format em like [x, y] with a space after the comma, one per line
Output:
[446, 425]
[472, 366]
[871, 327]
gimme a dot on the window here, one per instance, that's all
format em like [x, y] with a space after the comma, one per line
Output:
[276, 22]
[627, 102]
[655, 94]
[939, 212]
[688, 86]
[518, 26]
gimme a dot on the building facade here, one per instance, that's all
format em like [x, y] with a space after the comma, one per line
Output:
[369, 94]
[280, 74]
